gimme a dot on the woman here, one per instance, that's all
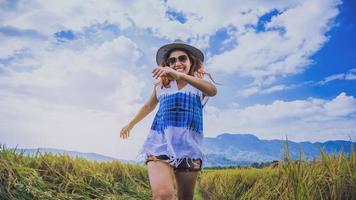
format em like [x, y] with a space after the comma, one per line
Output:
[173, 147]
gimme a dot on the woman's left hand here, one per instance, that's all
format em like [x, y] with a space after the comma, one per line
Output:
[166, 71]
[125, 131]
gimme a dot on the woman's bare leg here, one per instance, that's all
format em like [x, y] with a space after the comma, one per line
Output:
[161, 180]
[186, 183]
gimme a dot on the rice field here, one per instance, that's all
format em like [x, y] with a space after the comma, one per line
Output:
[48, 176]
[331, 177]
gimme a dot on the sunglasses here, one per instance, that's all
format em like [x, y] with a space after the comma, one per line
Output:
[181, 58]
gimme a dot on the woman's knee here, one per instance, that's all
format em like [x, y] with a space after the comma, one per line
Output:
[164, 194]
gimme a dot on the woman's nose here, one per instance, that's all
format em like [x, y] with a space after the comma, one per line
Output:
[177, 63]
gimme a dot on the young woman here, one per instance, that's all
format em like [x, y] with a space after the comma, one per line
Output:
[173, 147]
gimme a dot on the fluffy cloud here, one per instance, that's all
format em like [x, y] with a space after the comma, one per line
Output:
[74, 15]
[20, 41]
[97, 77]
[285, 47]
[257, 54]
[30, 122]
[65, 97]
[312, 119]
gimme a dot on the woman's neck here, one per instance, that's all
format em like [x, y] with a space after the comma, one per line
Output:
[181, 84]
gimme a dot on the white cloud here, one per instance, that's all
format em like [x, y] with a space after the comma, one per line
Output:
[98, 77]
[342, 105]
[19, 44]
[52, 17]
[350, 75]
[249, 91]
[276, 88]
[71, 97]
[262, 86]
[272, 53]
[204, 18]
[312, 119]
[334, 77]
[252, 90]
[31, 122]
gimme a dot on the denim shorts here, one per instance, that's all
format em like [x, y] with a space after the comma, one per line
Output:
[187, 164]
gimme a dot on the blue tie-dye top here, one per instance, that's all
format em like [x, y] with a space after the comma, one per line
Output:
[180, 109]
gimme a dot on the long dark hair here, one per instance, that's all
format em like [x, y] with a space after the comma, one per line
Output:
[196, 68]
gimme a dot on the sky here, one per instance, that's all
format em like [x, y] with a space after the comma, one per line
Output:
[73, 73]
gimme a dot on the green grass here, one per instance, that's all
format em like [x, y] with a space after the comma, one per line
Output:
[48, 176]
[331, 177]
[197, 192]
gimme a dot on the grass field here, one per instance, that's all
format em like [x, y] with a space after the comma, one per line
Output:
[47, 176]
[331, 177]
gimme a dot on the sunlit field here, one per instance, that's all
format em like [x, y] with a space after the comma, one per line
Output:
[331, 177]
[47, 176]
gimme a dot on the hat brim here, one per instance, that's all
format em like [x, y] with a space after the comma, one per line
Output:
[169, 47]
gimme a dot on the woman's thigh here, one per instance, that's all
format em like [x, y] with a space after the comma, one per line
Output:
[186, 183]
[161, 177]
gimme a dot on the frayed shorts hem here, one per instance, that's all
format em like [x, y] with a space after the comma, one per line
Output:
[187, 164]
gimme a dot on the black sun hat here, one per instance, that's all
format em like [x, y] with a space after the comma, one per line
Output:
[178, 44]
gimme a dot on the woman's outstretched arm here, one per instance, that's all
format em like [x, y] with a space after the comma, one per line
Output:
[148, 107]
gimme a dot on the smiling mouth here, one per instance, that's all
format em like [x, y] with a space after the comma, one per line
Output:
[180, 68]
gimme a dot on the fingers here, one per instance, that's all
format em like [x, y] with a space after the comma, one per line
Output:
[124, 134]
[199, 75]
[158, 73]
[155, 72]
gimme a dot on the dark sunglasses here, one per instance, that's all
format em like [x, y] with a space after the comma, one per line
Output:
[181, 58]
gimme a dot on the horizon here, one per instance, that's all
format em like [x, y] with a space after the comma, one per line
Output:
[126, 160]
[73, 73]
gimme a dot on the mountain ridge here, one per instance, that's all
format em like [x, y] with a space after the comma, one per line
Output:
[242, 149]
[86, 155]
[228, 149]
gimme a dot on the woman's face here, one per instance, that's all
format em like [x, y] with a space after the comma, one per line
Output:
[179, 61]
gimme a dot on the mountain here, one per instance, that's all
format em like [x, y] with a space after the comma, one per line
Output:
[88, 156]
[232, 149]
[244, 149]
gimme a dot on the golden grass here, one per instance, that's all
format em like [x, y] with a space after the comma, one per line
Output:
[331, 177]
[48, 176]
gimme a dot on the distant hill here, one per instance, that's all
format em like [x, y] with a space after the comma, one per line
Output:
[244, 149]
[232, 149]
[88, 156]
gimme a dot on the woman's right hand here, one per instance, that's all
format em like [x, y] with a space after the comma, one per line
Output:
[125, 131]
[166, 72]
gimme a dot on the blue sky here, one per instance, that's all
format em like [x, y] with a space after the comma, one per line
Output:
[73, 73]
